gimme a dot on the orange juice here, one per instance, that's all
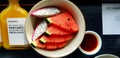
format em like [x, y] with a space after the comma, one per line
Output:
[0, 37]
[12, 25]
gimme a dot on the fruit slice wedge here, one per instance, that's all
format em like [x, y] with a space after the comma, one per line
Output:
[48, 46]
[55, 39]
[45, 12]
[64, 21]
[40, 29]
[53, 30]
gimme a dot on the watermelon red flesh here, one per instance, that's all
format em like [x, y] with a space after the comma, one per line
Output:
[65, 21]
[61, 45]
[53, 30]
[64, 38]
[50, 46]
[55, 39]
[53, 46]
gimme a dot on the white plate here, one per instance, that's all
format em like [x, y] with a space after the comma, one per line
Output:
[107, 56]
[74, 10]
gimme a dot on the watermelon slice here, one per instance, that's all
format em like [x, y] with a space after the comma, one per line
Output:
[53, 30]
[48, 46]
[55, 39]
[63, 20]
[65, 38]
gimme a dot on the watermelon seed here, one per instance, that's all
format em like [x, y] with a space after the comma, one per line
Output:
[68, 19]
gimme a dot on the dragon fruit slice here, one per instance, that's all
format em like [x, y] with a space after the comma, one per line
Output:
[39, 30]
[45, 12]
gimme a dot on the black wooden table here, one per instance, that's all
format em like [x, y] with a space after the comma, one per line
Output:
[92, 12]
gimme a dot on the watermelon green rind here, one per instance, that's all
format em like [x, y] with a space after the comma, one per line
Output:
[37, 44]
[45, 39]
[48, 21]
[42, 40]
[34, 44]
[47, 33]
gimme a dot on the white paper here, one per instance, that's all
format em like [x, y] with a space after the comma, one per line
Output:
[111, 19]
[16, 31]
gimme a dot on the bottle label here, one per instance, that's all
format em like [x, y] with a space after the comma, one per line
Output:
[16, 33]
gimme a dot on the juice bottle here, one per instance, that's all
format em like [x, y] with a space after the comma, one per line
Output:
[12, 25]
[0, 37]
